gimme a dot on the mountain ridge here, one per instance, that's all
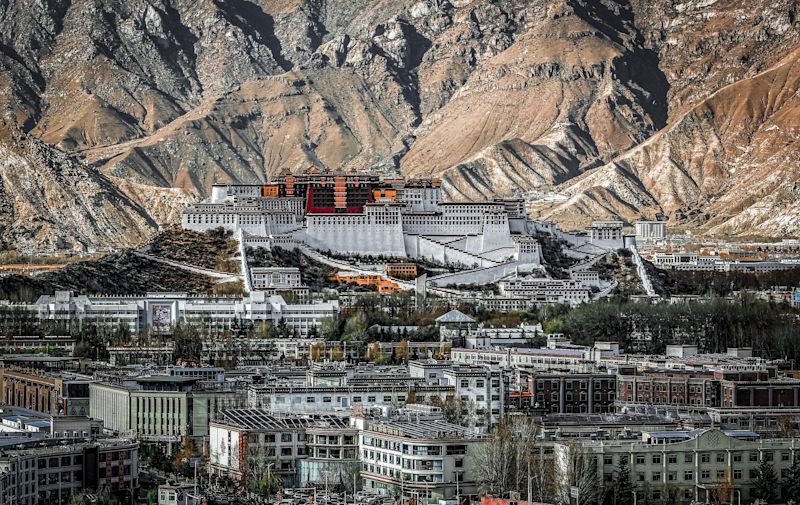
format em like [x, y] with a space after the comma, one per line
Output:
[163, 98]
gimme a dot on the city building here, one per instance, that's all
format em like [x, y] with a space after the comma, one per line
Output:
[650, 231]
[546, 291]
[606, 233]
[47, 471]
[161, 408]
[698, 466]
[482, 389]
[251, 443]
[159, 313]
[427, 461]
[48, 392]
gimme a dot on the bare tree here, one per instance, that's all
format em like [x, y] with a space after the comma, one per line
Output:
[577, 468]
[508, 458]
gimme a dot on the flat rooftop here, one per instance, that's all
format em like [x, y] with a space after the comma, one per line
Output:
[262, 419]
[426, 430]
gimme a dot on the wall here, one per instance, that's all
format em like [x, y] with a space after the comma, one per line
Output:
[480, 276]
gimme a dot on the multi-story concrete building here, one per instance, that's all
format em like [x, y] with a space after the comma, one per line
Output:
[250, 443]
[571, 360]
[275, 278]
[563, 393]
[160, 408]
[705, 465]
[294, 398]
[650, 231]
[545, 291]
[49, 392]
[427, 460]
[159, 313]
[482, 389]
[46, 471]
[606, 233]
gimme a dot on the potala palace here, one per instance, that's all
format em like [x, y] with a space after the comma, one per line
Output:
[364, 214]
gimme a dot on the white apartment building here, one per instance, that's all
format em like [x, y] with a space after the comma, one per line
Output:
[587, 278]
[542, 290]
[650, 231]
[275, 277]
[302, 398]
[571, 360]
[159, 313]
[482, 389]
[428, 461]
[250, 443]
[606, 233]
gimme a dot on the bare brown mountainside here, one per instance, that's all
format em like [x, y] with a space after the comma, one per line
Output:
[609, 107]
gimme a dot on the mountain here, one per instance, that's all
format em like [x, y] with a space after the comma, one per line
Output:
[600, 106]
[51, 203]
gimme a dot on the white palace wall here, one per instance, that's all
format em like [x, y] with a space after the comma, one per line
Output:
[378, 231]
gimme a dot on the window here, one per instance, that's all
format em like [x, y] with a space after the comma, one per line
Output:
[655, 476]
[720, 474]
[640, 459]
[720, 457]
[688, 458]
[737, 457]
[688, 475]
[704, 458]
[737, 474]
[705, 474]
[753, 456]
[672, 458]
[608, 459]
[286, 437]
[656, 459]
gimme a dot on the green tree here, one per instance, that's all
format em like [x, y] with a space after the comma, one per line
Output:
[791, 484]
[766, 482]
[622, 488]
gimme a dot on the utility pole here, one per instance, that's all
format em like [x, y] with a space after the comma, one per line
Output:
[530, 484]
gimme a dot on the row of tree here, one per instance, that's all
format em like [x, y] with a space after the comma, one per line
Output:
[713, 325]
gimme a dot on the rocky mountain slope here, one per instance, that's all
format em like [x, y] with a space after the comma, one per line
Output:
[565, 98]
[49, 202]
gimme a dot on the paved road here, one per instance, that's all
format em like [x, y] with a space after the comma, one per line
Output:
[223, 276]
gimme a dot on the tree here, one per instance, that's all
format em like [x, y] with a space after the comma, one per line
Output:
[188, 344]
[316, 351]
[401, 352]
[791, 485]
[766, 482]
[505, 460]
[577, 468]
[622, 487]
